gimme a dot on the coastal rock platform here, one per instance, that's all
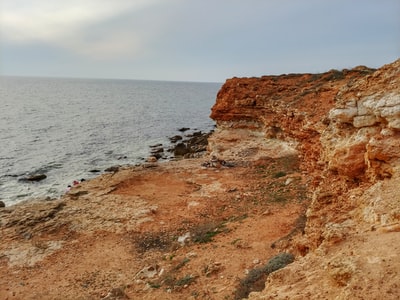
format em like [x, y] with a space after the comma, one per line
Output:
[197, 228]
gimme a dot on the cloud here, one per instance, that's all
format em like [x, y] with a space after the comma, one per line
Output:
[196, 39]
[68, 25]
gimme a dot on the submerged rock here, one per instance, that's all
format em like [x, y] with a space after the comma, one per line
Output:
[34, 177]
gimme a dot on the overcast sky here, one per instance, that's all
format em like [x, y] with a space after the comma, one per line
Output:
[194, 40]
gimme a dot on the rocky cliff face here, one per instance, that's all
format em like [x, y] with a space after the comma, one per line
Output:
[345, 128]
[288, 110]
[362, 138]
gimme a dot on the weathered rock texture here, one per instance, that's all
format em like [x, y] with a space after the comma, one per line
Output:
[345, 128]
[363, 136]
[275, 115]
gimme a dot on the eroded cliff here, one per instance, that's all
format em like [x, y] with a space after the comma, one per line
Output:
[288, 111]
[345, 128]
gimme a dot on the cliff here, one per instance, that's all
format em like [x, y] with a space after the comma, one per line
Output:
[291, 110]
[344, 127]
[296, 198]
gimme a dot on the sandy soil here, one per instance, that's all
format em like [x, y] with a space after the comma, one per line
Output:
[175, 230]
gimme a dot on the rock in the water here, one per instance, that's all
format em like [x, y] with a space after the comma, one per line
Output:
[156, 146]
[157, 150]
[175, 138]
[190, 147]
[196, 133]
[2, 204]
[34, 177]
[112, 169]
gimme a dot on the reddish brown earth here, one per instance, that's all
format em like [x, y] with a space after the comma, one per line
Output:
[99, 241]
[305, 164]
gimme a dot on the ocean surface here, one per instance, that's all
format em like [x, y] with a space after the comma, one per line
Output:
[66, 128]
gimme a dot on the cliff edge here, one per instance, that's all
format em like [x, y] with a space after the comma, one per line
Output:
[350, 246]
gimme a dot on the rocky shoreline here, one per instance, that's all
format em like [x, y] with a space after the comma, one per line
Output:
[294, 196]
[190, 145]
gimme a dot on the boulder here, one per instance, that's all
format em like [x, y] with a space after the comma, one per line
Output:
[2, 204]
[180, 149]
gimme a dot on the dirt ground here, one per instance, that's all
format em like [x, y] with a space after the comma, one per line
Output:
[175, 230]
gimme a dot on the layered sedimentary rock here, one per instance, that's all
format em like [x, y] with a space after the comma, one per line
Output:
[277, 115]
[363, 135]
[345, 128]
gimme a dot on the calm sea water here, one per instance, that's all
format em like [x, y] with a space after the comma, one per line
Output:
[65, 128]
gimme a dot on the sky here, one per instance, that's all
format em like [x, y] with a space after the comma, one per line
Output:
[194, 40]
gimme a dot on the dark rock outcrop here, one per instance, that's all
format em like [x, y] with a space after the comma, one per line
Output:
[194, 144]
[34, 177]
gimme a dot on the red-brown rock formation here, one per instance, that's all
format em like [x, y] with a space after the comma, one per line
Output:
[363, 136]
[291, 108]
[345, 128]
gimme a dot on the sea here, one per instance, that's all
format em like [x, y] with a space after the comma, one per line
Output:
[69, 128]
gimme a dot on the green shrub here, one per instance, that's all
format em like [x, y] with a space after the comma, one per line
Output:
[255, 280]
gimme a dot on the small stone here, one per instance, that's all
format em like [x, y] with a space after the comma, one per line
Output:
[148, 272]
[267, 212]
[156, 146]
[151, 159]
[116, 293]
[157, 150]
[191, 255]
[175, 138]
[27, 235]
[182, 239]
[289, 181]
